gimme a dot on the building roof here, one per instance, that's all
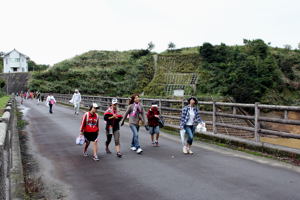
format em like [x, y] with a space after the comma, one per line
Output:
[16, 51]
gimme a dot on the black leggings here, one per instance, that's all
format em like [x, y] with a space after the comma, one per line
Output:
[50, 107]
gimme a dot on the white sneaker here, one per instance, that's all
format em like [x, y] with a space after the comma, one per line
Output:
[184, 149]
[133, 148]
[95, 158]
[190, 151]
[139, 151]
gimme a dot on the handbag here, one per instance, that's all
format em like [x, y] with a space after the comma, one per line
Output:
[161, 121]
[200, 128]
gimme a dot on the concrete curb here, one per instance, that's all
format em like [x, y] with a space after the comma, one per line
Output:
[17, 176]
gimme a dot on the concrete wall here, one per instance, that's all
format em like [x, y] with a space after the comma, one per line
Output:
[11, 171]
[15, 82]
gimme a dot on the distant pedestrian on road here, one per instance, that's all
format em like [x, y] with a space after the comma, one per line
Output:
[76, 99]
[112, 128]
[38, 97]
[137, 116]
[153, 117]
[50, 101]
[190, 117]
[90, 129]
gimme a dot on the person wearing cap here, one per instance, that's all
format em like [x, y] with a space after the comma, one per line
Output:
[136, 114]
[190, 117]
[153, 117]
[76, 99]
[112, 127]
[90, 129]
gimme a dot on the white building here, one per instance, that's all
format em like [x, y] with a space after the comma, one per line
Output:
[15, 61]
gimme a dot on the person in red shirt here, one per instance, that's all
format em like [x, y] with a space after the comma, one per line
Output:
[153, 116]
[90, 129]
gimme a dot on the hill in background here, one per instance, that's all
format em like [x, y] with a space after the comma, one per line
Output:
[249, 73]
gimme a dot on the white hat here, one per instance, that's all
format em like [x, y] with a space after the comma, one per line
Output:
[76, 90]
[114, 101]
[95, 105]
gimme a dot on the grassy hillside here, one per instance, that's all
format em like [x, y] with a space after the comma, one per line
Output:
[98, 72]
[248, 73]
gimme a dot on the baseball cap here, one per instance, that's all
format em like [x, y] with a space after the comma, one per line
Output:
[114, 101]
[155, 103]
[95, 105]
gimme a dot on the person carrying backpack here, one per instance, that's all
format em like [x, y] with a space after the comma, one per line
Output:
[90, 130]
[112, 128]
[50, 101]
[153, 117]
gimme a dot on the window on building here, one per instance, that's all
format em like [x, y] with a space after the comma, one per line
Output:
[17, 59]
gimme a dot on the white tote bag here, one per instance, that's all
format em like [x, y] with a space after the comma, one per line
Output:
[182, 136]
[80, 140]
[201, 128]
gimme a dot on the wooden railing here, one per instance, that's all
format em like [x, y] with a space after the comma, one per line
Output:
[213, 113]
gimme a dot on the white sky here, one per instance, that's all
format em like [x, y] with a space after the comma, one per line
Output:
[49, 31]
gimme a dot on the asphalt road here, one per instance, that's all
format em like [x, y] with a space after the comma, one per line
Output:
[159, 173]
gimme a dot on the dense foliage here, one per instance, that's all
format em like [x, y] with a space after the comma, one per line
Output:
[32, 66]
[248, 73]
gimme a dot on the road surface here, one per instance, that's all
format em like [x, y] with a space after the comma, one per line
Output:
[159, 173]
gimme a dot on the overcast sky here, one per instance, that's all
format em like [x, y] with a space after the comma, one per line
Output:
[49, 31]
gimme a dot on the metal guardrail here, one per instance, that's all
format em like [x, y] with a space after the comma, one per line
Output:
[6, 150]
[171, 110]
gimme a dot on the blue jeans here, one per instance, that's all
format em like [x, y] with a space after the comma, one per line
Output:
[135, 135]
[153, 129]
[190, 130]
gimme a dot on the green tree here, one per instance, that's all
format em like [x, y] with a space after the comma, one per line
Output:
[171, 46]
[150, 46]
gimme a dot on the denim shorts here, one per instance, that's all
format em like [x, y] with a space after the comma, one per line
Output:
[153, 129]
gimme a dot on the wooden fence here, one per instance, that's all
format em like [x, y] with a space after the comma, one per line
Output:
[220, 117]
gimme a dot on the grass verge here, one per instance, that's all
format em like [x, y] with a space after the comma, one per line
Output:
[3, 102]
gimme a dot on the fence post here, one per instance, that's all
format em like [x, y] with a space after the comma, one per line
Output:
[214, 118]
[234, 110]
[159, 106]
[286, 114]
[256, 123]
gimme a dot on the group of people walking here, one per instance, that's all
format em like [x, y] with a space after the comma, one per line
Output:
[137, 117]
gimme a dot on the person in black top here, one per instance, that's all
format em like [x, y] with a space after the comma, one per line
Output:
[112, 128]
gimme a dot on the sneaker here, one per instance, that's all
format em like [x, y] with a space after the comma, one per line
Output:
[85, 154]
[139, 151]
[190, 151]
[119, 154]
[153, 144]
[133, 148]
[184, 150]
[95, 158]
[156, 144]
